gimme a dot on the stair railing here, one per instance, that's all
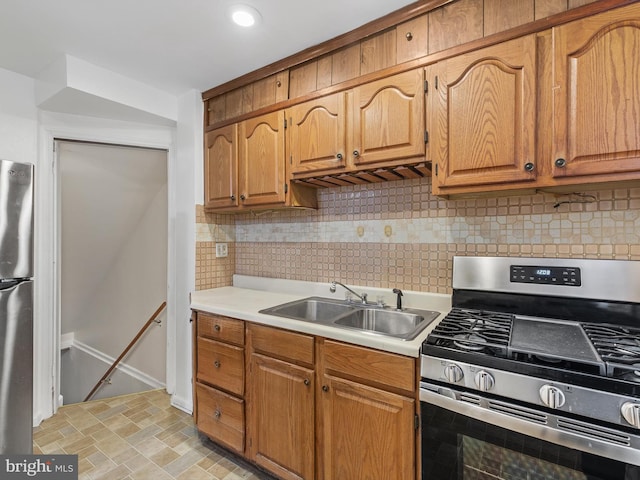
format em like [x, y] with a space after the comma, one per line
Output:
[126, 350]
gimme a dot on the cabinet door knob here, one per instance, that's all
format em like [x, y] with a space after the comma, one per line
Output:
[307, 382]
[529, 166]
[217, 414]
[560, 162]
[217, 328]
[216, 364]
[409, 36]
[242, 197]
[325, 388]
[233, 197]
[356, 153]
[339, 156]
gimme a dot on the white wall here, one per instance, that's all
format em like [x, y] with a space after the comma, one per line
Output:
[27, 134]
[184, 180]
[114, 249]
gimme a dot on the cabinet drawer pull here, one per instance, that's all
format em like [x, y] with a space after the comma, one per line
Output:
[560, 162]
[307, 382]
[216, 364]
[529, 166]
[217, 414]
[325, 388]
[217, 328]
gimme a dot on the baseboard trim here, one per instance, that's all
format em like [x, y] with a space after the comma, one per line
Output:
[122, 367]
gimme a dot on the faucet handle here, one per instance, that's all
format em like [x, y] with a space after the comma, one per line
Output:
[398, 292]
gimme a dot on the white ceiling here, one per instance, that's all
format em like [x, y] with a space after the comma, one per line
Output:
[172, 45]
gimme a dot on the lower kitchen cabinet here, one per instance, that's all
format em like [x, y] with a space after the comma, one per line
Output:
[281, 424]
[314, 408]
[366, 432]
[367, 412]
[220, 416]
[280, 428]
[218, 364]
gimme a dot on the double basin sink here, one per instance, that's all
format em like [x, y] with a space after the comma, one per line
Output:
[405, 324]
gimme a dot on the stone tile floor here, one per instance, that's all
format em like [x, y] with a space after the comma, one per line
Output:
[137, 437]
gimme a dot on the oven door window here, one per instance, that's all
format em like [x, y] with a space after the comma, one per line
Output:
[456, 447]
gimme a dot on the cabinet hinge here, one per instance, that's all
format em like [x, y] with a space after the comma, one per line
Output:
[426, 86]
[290, 159]
[285, 123]
[436, 81]
[286, 188]
[426, 136]
[436, 169]
[416, 421]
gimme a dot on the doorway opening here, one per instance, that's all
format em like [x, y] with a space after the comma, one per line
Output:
[112, 207]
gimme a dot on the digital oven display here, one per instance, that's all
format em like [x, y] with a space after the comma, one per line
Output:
[568, 276]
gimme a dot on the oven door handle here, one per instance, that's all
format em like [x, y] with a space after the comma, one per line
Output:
[590, 438]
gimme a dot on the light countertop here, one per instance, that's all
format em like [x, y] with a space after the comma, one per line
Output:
[249, 295]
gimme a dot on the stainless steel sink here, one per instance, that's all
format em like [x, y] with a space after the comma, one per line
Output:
[312, 309]
[405, 324]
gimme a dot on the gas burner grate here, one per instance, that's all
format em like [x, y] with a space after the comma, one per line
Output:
[615, 343]
[474, 330]
[619, 347]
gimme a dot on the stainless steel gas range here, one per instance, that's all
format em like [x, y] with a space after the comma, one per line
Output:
[535, 372]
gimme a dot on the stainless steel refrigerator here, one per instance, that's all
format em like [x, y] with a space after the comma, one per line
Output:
[16, 308]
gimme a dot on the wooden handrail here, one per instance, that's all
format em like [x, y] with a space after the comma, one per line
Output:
[126, 350]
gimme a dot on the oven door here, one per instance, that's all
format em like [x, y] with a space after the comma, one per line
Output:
[465, 436]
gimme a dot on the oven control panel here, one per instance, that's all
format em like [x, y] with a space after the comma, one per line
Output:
[567, 276]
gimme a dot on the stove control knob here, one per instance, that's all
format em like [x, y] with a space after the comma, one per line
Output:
[484, 381]
[631, 413]
[453, 373]
[552, 396]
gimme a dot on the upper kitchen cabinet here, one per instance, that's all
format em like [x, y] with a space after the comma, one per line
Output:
[481, 118]
[245, 168]
[317, 134]
[596, 98]
[247, 99]
[221, 168]
[388, 120]
[377, 124]
[261, 160]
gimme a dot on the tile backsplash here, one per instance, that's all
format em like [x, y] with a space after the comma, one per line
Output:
[396, 234]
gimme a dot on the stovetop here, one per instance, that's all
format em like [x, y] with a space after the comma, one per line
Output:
[568, 320]
[597, 349]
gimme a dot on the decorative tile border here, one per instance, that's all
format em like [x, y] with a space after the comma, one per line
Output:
[398, 234]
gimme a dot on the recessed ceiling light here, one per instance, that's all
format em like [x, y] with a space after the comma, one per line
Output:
[244, 15]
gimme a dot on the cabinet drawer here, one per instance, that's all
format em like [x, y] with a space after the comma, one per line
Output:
[220, 416]
[282, 344]
[221, 328]
[221, 365]
[371, 366]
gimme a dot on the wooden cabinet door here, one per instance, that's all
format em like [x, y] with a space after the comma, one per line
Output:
[597, 95]
[281, 417]
[317, 135]
[481, 116]
[261, 160]
[221, 168]
[366, 433]
[388, 119]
